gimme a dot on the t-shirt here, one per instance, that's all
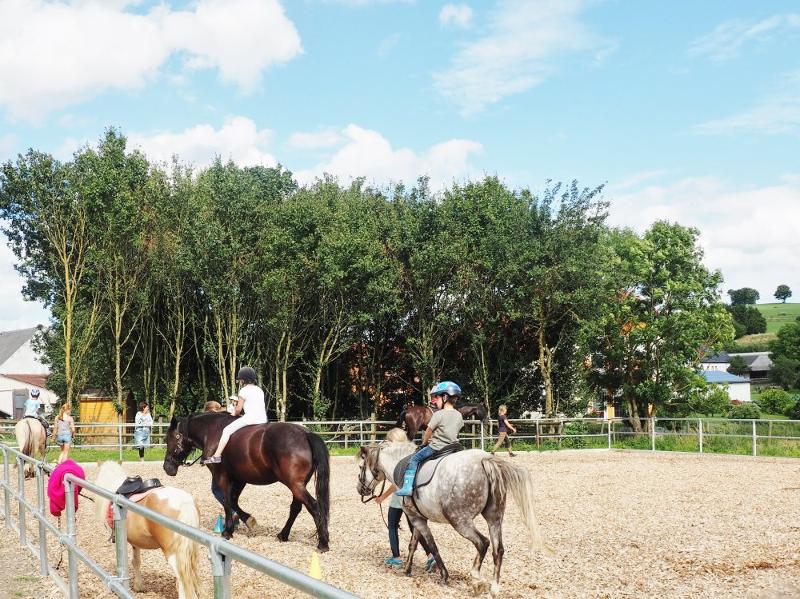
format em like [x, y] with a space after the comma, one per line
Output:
[445, 425]
[255, 410]
[502, 423]
[143, 420]
[396, 502]
[31, 407]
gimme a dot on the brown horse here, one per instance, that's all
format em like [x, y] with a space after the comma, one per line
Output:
[416, 418]
[260, 454]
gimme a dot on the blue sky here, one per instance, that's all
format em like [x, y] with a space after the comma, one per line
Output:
[688, 111]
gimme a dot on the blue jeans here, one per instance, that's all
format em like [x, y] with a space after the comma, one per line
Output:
[422, 453]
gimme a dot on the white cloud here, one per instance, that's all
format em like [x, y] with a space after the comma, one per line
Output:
[524, 39]
[7, 144]
[367, 153]
[53, 54]
[728, 38]
[326, 138]
[17, 313]
[239, 139]
[778, 112]
[751, 235]
[458, 15]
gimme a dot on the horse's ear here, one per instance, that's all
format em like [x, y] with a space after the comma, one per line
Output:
[173, 424]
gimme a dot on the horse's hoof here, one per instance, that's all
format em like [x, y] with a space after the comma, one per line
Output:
[251, 523]
[479, 587]
[227, 535]
[282, 537]
[323, 548]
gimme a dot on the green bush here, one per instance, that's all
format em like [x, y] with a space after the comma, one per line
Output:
[776, 401]
[570, 430]
[747, 411]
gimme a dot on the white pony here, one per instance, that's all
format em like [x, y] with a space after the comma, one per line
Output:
[464, 484]
[32, 441]
[182, 553]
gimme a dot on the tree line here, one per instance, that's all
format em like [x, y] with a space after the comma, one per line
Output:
[351, 300]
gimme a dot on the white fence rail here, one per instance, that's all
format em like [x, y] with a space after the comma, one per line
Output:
[681, 434]
[222, 553]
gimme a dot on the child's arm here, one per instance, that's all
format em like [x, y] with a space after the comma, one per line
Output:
[512, 427]
[388, 493]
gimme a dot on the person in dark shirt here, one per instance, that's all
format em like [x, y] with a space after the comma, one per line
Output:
[503, 426]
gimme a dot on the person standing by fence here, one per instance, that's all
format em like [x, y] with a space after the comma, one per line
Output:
[141, 433]
[64, 429]
[503, 426]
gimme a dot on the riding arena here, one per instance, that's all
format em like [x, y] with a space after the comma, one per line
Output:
[620, 524]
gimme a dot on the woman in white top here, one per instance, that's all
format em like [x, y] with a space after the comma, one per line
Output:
[143, 425]
[251, 402]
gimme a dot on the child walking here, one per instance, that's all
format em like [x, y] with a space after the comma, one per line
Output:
[503, 426]
[63, 431]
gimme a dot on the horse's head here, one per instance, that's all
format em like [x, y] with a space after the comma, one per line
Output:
[370, 473]
[178, 445]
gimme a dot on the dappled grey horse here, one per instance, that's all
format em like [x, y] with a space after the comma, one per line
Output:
[464, 485]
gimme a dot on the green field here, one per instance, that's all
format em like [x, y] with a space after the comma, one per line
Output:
[778, 315]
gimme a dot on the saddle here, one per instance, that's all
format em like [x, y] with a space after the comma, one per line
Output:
[436, 457]
[135, 485]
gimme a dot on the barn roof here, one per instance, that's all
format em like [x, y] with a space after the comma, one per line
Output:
[718, 377]
[718, 358]
[11, 341]
[759, 360]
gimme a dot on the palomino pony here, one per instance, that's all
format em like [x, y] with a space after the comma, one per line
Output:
[182, 554]
[464, 484]
[260, 454]
[416, 418]
[32, 441]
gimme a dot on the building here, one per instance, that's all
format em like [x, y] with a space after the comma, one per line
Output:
[716, 362]
[21, 370]
[759, 365]
[738, 387]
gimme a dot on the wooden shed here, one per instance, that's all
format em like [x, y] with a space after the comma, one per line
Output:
[98, 406]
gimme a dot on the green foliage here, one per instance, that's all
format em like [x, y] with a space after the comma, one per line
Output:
[745, 411]
[785, 354]
[743, 296]
[783, 293]
[750, 320]
[776, 401]
[714, 400]
[738, 366]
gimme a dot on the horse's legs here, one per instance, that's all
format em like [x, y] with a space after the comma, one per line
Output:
[294, 510]
[301, 494]
[236, 491]
[412, 548]
[493, 513]
[466, 528]
[138, 585]
[225, 485]
[421, 529]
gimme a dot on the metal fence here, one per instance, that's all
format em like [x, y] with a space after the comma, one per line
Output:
[677, 434]
[222, 553]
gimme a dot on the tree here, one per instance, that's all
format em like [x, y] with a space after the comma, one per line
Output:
[712, 401]
[743, 296]
[785, 355]
[749, 318]
[776, 401]
[783, 293]
[738, 366]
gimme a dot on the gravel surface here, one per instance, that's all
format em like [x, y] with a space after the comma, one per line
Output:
[622, 524]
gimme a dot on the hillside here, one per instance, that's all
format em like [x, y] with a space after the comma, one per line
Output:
[778, 315]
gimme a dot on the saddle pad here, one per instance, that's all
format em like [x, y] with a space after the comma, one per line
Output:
[135, 498]
[425, 470]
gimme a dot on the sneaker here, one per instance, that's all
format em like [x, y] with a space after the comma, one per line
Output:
[214, 459]
[430, 563]
[512, 455]
[394, 562]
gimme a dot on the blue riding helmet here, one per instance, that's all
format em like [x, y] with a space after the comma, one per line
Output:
[446, 388]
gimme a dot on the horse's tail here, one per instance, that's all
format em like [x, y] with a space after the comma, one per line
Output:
[504, 477]
[25, 437]
[320, 462]
[187, 552]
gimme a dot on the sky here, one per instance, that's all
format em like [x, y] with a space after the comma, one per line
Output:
[686, 111]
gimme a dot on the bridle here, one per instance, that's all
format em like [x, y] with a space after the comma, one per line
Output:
[180, 449]
[362, 479]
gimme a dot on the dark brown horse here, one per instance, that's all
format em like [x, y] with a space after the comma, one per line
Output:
[260, 454]
[416, 418]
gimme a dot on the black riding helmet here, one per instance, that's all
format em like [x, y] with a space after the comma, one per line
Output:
[247, 375]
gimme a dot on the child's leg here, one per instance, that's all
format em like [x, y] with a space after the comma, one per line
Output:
[500, 438]
[141, 453]
[394, 525]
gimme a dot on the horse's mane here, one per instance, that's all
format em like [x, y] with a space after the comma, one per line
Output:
[398, 450]
[110, 475]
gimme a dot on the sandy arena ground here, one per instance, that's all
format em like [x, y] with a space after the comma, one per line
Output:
[622, 525]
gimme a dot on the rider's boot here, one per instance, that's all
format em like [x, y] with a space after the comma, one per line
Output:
[408, 481]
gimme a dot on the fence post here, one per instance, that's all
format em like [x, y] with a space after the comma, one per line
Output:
[652, 433]
[755, 451]
[119, 437]
[72, 537]
[43, 568]
[483, 443]
[21, 500]
[6, 489]
[700, 433]
[361, 432]
[610, 424]
[221, 570]
[119, 514]
[537, 436]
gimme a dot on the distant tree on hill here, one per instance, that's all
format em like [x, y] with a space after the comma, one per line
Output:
[750, 319]
[737, 366]
[783, 293]
[785, 355]
[743, 296]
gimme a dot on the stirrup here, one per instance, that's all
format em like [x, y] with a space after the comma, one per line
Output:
[214, 459]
